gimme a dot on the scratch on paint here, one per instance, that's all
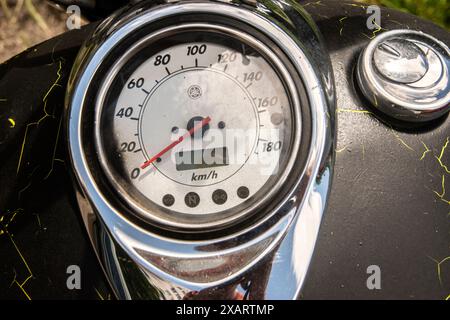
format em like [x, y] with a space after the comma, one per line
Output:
[341, 150]
[317, 3]
[54, 149]
[359, 175]
[397, 23]
[38, 218]
[427, 150]
[10, 236]
[353, 111]
[400, 139]
[341, 20]
[12, 122]
[439, 159]
[45, 116]
[29, 183]
[439, 264]
[374, 33]
[19, 194]
[98, 294]
[356, 5]
[442, 195]
[101, 297]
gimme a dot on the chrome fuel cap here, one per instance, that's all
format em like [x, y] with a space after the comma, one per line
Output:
[406, 75]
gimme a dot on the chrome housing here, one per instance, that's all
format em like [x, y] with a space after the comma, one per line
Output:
[418, 90]
[267, 259]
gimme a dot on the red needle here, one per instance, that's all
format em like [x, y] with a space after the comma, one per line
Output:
[198, 126]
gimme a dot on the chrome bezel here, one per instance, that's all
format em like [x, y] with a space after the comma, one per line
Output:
[174, 220]
[288, 233]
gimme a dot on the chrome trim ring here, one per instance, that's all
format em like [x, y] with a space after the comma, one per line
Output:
[281, 244]
[173, 222]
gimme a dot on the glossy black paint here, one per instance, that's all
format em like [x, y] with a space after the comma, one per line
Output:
[382, 211]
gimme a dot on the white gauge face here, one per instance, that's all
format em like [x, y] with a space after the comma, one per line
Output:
[198, 124]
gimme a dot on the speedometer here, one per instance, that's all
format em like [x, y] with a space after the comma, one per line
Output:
[201, 135]
[196, 125]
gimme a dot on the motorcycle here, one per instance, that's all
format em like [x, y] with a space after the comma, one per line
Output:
[248, 149]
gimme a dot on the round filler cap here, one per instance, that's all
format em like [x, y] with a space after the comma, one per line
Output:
[405, 74]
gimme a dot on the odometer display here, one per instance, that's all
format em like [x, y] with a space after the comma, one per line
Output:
[201, 159]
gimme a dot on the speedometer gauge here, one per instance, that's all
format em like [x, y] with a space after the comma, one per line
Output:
[200, 134]
[195, 125]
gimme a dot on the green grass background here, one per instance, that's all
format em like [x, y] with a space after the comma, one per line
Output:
[435, 10]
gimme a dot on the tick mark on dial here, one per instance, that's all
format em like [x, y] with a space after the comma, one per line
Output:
[147, 92]
[167, 70]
